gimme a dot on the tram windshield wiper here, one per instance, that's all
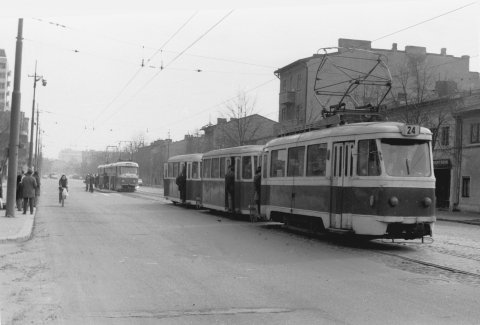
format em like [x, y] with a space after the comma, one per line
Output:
[408, 166]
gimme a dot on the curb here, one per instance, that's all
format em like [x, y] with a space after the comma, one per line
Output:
[474, 222]
[25, 233]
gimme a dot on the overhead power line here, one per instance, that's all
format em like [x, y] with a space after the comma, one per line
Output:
[171, 61]
[425, 21]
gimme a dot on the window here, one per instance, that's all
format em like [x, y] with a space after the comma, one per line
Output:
[170, 170]
[2, 85]
[175, 169]
[189, 175]
[265, 164]
[444, 141]
[466, 186]
[277, 163]
[3, 65]
[222, 167]
[215, 168]
[128, 170]
[299, 81]
[247, 167]
[206, 168]
[367, 159]
[405, 157]
[316, 159]
[296, 161]
[195, 170]
[475, 133]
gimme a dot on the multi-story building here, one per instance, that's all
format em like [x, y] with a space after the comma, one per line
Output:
[416, 76]
[4, 81]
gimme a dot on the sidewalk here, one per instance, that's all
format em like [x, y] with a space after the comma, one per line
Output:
[472, 218]
[16, 229]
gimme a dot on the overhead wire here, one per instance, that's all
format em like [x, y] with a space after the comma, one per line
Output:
[170, 62]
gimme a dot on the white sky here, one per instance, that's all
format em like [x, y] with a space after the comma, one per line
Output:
[87, 105]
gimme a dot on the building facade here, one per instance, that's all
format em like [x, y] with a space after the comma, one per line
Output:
[416, 76]
[4, 82]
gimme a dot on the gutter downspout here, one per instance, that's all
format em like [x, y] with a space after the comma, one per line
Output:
[458, 162]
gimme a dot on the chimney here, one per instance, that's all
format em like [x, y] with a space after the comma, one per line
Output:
[443, 51]
[394, 46]
[221, 120]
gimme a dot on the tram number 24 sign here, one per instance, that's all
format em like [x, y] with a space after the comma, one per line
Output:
[411, 130]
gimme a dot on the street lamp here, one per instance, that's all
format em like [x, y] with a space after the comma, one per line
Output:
[44, 83]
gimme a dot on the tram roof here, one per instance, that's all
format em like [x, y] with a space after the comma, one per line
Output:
[348, 130]
[120, 164]
[183, 158]
[234, 151]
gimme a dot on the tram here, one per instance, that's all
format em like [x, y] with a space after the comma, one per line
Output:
[245, 160]
[370, 178]
[119, 176]
[189, 164]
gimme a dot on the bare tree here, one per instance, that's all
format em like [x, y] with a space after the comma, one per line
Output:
[242, 128]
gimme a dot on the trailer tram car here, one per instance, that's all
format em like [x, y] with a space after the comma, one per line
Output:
[119, 176]
[373, 179]
[173, 168]
[245, 159]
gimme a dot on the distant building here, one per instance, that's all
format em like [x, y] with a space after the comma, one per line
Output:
[4, 82]
[441, 75]
[69, 155]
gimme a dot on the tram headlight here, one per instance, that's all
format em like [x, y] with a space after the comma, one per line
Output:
[427, 202]
[393, 201]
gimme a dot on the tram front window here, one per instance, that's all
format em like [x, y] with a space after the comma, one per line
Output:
[405, 157]
[128, 170]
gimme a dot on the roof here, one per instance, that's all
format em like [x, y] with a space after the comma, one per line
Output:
[183, 158]
[234, 151]
[348, 129]
[120, 164]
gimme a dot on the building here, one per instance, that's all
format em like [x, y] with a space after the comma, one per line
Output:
[416, 76]
[4, 82]
[70, 156]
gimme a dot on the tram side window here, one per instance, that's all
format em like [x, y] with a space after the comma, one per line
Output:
[296, 161]
[316, 159]
[246, 167]
[265, 164]
[206, 168]
[215, 168]
[175, 169]
[195, 170]
[222, 167]
[170, 170]
[277, 163]
[367, 159]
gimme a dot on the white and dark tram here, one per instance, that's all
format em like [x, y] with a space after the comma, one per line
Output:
[119, 176]
[371, 178]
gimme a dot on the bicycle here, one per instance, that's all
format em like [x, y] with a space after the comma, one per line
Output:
[62, 195]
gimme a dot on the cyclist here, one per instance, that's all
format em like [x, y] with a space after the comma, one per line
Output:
[62, 183]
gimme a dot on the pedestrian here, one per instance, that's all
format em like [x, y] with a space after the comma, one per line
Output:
[37, 189]
[87, 182]
[181, 182]
[257, 183]
[28, 189]
[230, 189]
[91, 180]
[19, 193]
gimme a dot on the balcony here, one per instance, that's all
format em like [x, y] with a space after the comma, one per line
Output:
[287, 97]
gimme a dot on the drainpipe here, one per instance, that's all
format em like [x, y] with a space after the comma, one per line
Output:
[458, 161]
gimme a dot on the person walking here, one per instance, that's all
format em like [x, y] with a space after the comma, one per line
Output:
[91, 181]
[19, 193]
[230, 189]
[28, 188]
[181, 182]
[37, 189]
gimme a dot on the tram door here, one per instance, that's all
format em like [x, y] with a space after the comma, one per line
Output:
[342, 171]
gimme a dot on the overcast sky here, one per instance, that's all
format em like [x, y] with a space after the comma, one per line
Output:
[91, 54]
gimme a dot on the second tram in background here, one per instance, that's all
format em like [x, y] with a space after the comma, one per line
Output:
[119, 176]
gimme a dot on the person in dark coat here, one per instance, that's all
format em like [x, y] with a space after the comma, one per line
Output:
[91, 181]
[181, 182]
[62, 183]
[37, 189]
[19, 193]
[28, 188]
[230, 189]
[257, 183]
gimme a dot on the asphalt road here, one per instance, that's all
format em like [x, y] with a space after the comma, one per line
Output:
[117, 258]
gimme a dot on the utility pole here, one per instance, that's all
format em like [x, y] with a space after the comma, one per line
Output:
[36, 139]
[44, 83]
[14, 126]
